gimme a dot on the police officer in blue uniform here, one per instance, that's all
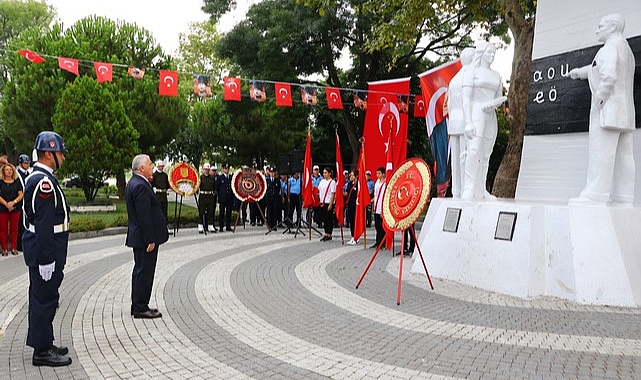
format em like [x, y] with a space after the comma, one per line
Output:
[225, 198]
[45, 243]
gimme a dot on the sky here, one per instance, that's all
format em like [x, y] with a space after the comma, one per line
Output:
[166, 22]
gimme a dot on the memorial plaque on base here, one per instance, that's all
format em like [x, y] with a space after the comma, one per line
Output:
[505, 226]
[452, 217]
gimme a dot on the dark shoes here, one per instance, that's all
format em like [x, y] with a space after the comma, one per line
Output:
[51, 357]
[149, 314]
[228, 229]
[326, 238]
[62, 350]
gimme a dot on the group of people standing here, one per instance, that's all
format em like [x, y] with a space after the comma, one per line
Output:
[11, 194]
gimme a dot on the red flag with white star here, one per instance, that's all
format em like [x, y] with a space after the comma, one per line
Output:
[434, 85]
[231, 89]
[168, 83]
[68, 64]
[362, 197]
[383, 114]
[420, 109]
[334, 100]
[283, 94]
[104, 71]
[307, 186]
[339, 201]
[33, 57]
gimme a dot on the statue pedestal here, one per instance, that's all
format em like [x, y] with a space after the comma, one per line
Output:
[586, 254]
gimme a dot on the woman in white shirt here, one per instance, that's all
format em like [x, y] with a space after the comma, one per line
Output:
[377, 207]
[327, 192]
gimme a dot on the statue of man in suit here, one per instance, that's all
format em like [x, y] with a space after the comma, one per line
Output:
[611, 168]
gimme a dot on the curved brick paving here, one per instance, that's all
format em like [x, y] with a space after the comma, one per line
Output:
[250, 306]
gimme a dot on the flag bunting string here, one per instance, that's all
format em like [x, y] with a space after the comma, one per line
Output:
[360, 95]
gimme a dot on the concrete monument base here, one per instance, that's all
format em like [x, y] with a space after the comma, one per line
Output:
[586, 254]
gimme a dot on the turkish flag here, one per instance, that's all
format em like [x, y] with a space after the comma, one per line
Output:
[334, 100]
[434, 84]
[283, 94]
[383, 115]
[307, 190]
[389, 170]
[104, 71]
[339, 205]
[420, 109]
[362, 197]
[231, 89]
[33, 57]
[68, 64]
[168, 84]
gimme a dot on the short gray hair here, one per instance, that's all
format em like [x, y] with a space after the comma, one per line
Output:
[138, 161]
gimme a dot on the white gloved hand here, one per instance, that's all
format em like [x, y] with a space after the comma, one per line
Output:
[47, 270]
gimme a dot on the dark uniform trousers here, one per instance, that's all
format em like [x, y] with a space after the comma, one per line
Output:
[43, 302]
[226, 199]
[142, 278]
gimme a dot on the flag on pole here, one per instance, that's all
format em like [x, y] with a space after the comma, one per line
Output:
[384, 115]
[104, 71]
[419, 106]
[168, 84]
[33, 57]
[68, 64]
[307, 190]
[339, 206]
[389, 170]
[362, 197]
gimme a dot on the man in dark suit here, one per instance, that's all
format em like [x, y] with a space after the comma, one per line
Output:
[45, 242]
[146, 230]
[225, 198]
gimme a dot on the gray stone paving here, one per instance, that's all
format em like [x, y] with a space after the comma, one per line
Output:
[250, 306]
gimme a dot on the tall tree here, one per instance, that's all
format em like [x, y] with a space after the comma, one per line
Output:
[95, 127]
[494, 17]
[33, 91]
[310, 38]
[15, 17]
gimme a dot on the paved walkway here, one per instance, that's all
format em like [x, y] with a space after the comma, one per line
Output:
[250, 306]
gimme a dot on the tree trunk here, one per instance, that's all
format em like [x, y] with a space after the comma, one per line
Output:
[120, 184]
[523, 32]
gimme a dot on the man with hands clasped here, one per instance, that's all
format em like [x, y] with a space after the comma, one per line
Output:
[45, 243]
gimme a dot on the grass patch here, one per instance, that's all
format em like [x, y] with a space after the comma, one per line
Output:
[96, 221]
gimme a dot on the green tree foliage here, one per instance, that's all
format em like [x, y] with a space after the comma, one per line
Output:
[99, 136]
[33, 91]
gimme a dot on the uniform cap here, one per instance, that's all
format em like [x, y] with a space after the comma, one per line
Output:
[48, 141]
[316, 167]
[368, 173]
[225, 166]
[206, 165]
[214, 167]
[23, 158]
[160, 163]
[345, 172]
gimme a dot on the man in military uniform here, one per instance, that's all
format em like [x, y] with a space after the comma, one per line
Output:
[24, 169]
[273, 198]
[225, 198]
[207, 200]
[45, 242]
[160, 183]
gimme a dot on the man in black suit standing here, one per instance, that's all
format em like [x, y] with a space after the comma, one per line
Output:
[146, 230]
[225, 198]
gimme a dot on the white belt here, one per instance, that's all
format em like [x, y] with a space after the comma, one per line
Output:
[161, 190]
[206, 192]
[58, 228]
